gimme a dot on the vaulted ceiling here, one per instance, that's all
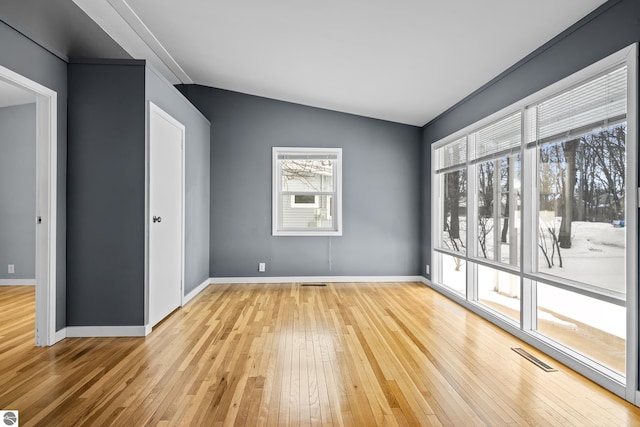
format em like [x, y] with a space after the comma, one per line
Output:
[405, 61]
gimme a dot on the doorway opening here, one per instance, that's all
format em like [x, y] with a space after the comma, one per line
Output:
[46, 201]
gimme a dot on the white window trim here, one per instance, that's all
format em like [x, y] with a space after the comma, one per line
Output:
[627, 386]
[276, 192]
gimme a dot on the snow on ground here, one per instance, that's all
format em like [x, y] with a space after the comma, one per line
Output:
[597, 258]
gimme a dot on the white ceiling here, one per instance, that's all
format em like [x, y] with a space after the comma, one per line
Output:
[405, 61]
[11, 95]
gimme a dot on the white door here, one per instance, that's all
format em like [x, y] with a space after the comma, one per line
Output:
[166, 139]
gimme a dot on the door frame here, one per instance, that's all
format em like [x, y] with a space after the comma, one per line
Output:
[46, 204]
[151, 109]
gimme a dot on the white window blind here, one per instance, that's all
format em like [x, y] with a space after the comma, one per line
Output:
[310, 156]
[599, 102]
[451, 155]
[500, 138]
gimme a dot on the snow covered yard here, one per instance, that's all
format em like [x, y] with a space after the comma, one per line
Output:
[596, 258]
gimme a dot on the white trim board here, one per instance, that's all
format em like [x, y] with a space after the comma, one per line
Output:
[314, 279]
[60, 335]
[124, 26]
[17, 282]
[191, 295]
[104, 331]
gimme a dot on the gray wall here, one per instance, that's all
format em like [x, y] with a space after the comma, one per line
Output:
[18, 191]
[613, 26]
[106, 194]
[24, 57]
[197, 175]
[381, 189]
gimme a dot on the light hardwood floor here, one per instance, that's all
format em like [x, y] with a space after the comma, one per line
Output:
[360, 354]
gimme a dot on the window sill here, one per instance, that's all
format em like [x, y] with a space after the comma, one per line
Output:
[306, 233]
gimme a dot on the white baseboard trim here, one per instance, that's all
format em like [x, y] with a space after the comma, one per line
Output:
[105, 331]
[60, 335]
[17, 282]
[141, 331]
[191, 295]
[306, 279]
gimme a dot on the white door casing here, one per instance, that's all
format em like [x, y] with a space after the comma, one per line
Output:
[46, 204]
[166, 142]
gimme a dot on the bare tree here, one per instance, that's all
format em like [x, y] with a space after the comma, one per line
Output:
[505, 172]
[485, 204]
[453, 202]
[564, 236]
[555, 244]
[455, 195]
[306, 172]
[542, 244]
[607, 148]
[484, 230]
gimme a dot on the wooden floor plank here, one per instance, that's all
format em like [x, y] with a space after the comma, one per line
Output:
[347, 354]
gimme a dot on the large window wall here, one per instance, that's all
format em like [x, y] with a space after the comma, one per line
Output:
[535, 219]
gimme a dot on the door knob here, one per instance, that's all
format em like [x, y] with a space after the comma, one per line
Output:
[157, 219]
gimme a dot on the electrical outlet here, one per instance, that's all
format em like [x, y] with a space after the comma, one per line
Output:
[262, 267]
[12, 269]
[426, 269]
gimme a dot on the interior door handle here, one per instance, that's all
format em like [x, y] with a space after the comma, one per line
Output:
[157, 218]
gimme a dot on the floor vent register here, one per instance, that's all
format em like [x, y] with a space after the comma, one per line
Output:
[531, 358]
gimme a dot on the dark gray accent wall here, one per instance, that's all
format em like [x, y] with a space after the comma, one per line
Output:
[106, 194]
[613, 26]
[24, 57]
[197, 175]
[18, 191]
[381, 189]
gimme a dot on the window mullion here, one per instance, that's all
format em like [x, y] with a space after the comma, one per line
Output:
[472, 204]
[529, 204]
[497, 206]
[472, 222]
[529, 218]
[513, 201]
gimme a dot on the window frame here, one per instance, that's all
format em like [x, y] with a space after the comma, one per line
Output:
[336, 195]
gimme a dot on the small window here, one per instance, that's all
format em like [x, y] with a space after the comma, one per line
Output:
[307, 191]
